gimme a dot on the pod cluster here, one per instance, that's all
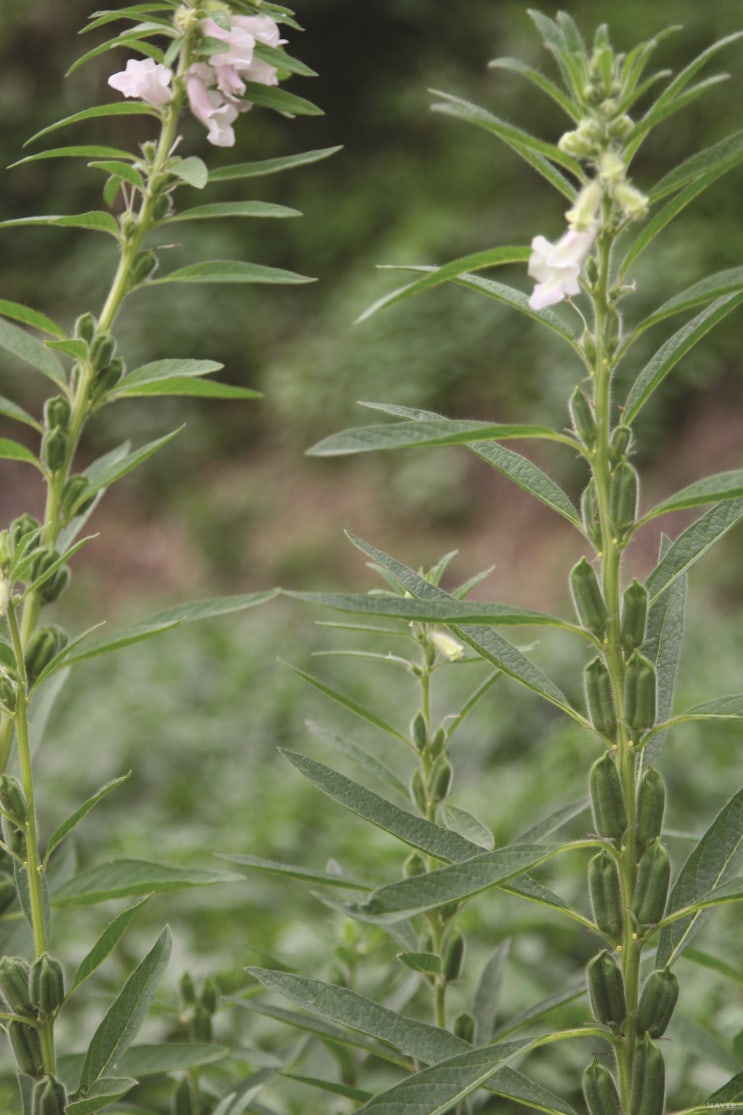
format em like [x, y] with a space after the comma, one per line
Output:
[32, 994]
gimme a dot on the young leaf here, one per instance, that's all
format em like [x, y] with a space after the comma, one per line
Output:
[692, 545]
[30, 317]
[192, 170]
[288, 104]
[233, 209]
[415, 831]
[12, 410]
[106, 943]
[126, 1014]
[467, 825]
[124, 878]
[714, 861]
[84, 151]
[31, 351]
[542, 82]
[230, 271]
[269, 166]
[67, 826]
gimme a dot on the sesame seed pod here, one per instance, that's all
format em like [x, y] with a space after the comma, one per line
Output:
[606, 895]
[600, 1091]
[621, 439]
[54, 448]
[182, 1101]
[47, 984]
[648, 1092]
[26, 1048]
[452, 955]
[657, 1002]
[49, 1097]
[634, 616]
[606, 989]
[464, 1026]
[14, 985]
[651, 886]
[639, 693]
[590, 514]
[588, 599]
[623, 497]
[651, 804]
[441, 777]
[583, 418]
[600, 698]
[607, 800]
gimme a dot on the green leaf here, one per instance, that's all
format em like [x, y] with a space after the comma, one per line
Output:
[467, 825]
[151, 1060]
[126, 1014]
[540, 1010]
[133, 39]
[536, 152]
[542, 82]
[107, 470]
[101, 1094]
[712, 489]
[288, 104]
[714, 964]
[270, 166]
[167, 369]
[487, 994]
[120, 170]
[455, 882]
[669, 354]
[233, 209]
[554, 41]
[712, 862]
[67, 826]
[404, 435]
[183, 386]
[720, 708]
[693, 544]
[349, 703]
[477, 261]
[416, 831]
[290, 871]
[714, 286]
[554, 822]
[12, 410]
[133, 11]
[172, 617]
[360, 755]
[718, 896]
[31, 351]
[30, 317]
[661, 110]
[107, 942]
[733, 1090]
[663, 640]
[193, 171]
[516, 299]
[331, 1087]
[78, 350]
[126, 108]
[326, 1031]
[97, 221]
[427, 963]
[84, 151]
[230, 271]
[123, 878]
[13, 451]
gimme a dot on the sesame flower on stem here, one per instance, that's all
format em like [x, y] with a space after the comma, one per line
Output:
[208, 106]
[556, 267]
[146, 79]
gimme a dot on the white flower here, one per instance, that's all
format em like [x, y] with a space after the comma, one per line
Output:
[449, 647]
[215, 114]
[262, 27]
[144, 78]
[556, 267]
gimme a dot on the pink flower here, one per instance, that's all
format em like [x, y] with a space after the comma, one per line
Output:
[144, 78]
[556, 267]
[216, 115]
[262, 27]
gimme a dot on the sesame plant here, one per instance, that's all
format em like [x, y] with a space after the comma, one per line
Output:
[72, 1052]
[404, 1045]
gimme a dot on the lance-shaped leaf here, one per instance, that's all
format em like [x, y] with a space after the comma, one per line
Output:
[12, 410]
[270, 166]
[542, 82]
[84, 151]
[31, 351]
[467, 825]
[487, 994]
[101, 1094]
[555, 42]
[97, 221]
[539, 154]
[416, 831]
[118, 108]
[230, 271]
[444, 431]
[233, 209]
[14, 451]
[714, 861]
[353, 706]
[167, 369]
[133, 39]
[151, 1060]
[122, 171]
[67, 826]
[693, 544]
[663, 640]
[729, 1092]
[106, 943]
[676, 347]
[31, 317]
[124, 878]
[126, 1014]
[721, 708]
[457, 881]
[712, 489]
[661, 110]
[708, 289]
[291, 871]
[477, 261]
[280, 100]
[188, 388]
[111, 467]
[370, 763]
[726, 893]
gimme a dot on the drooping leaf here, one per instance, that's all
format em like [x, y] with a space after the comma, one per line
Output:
[270, 166]
[118, 108]
[126, 1014]
[433, 432]
[230, 271]
[124, 878]
[692, 545]
[663, 640]
[31, 351]
[67, 826]
[233, 209]
[714, 861]
[31, 317]
[107, 942]
[291, 871]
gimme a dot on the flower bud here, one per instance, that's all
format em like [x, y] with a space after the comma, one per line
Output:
[419, 731]
[102, 351]
[55, 585]
[77, 496]
[44, 644]
[441, 777]
[464, 1027]
[452, 955]
[631, 201]
[107, 378]
[447, 646]
[201, 1024]
[209, 997]
[22, 529]
[582, 214]
[57, 412]
[143, 266]
[438, 742]
[54, 448]
[182, 1102]
[187, 989]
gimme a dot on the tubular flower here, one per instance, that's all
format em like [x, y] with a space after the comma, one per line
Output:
[556, 267]
[146, 79]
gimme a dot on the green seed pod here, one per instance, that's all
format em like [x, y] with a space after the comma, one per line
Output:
[57, 412]
[600, 1091]
[209, 997]
[55, 585]
[54, 448]
[634, 616]
[606, 895]
[14, 985]
[438, 743]
[22, 528]
[418, 791]
[464, 1027]
[657, 1002]
[651, 886]
[201, 1024]
[588, 599]
[639, 693]
[651, 804]
[162, 208]
[606, 989]
[623, 497]
[77, 496]
[102, 351]
[85, 327]
[419, 732]
[600, 698]
[590, 514]
[414, 865]
[143, 266]
[47, 984]
[583, 418]
[107, 378]
[648, 1092]
[13, 800]
[607, 800]
[49, 1097]
[452, 955]
[182, 1101]
[7, 892]
[187, 989]
[441, 777]
[26, 1048]
[7, 694]
[43, 645]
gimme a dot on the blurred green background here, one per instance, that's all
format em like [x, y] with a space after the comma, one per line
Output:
[233, 504]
